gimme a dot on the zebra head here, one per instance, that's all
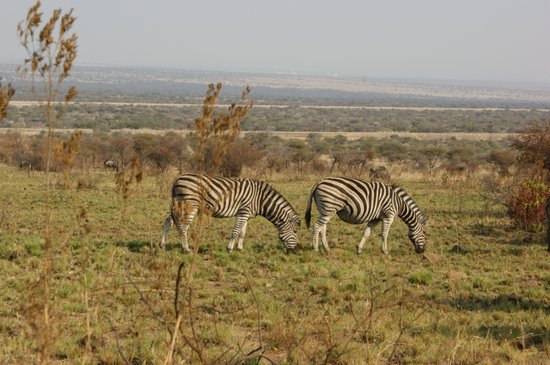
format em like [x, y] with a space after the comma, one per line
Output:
[288, 232]
[416, 234]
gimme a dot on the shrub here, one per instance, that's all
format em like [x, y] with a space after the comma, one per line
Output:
[533, 144]
[526, 203]
[239, 154]
[526, 206]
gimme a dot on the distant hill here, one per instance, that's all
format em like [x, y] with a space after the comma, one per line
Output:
[170, 85]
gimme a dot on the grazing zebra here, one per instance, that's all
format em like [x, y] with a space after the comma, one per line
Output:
[228, 197]
[110, 165]
[356, 202]
[25, 165]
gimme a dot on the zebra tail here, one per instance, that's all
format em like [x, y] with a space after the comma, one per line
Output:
[308, 208]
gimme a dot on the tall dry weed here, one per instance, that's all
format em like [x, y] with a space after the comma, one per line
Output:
[51, 49]
[128, 176]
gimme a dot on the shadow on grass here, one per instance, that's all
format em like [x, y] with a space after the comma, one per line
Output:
[521, 337]
[502, 302]
[134, 245]
[140, 246]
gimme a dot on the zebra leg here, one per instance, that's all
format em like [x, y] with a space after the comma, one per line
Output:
[324, 238]
[366, 235]
[166, 228]
[317, 229]
[239, 224]
[386, 224]
[320, 229]
[241, 237]
[183, 227]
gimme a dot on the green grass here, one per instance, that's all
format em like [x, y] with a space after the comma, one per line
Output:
[486, 299]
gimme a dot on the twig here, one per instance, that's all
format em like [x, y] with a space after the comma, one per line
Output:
[178, 281]
[117, 342]
[146, 301]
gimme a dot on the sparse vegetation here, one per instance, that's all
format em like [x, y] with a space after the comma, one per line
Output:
[487, 292]
[84, 280]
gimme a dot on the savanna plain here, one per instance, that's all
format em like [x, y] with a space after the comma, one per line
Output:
[479, 294]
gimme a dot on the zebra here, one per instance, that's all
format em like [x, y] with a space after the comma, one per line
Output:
[229, 197]
[110, 165]
[357, 201]
[25, 165]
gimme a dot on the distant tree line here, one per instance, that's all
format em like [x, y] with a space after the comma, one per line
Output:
[105, 117]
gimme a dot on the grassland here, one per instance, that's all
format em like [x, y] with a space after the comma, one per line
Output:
[481, 294]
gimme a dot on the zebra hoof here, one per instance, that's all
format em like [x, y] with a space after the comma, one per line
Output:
[358, 250]
[186, 250]
[229, 249]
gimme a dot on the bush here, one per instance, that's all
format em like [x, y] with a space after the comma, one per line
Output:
[526, 206]
[239, 154]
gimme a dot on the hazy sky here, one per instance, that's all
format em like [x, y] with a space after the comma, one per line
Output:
[496, 40]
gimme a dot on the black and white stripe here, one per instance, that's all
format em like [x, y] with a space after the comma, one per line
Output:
[356, 202]
[228, 197]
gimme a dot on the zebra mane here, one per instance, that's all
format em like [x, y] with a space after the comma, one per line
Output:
[409, 202]
[270, 189]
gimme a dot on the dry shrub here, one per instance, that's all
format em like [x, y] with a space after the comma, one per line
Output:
[214, 131]
[526, 200]
[66, 153]
[318, 165]
[533, 144]
[526, 206]
[351, 163]
[239, 154]
[6, 93]
[88, 180]
[14, 148]
[502, 161]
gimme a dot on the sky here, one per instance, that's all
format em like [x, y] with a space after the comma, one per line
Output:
[471, 40]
